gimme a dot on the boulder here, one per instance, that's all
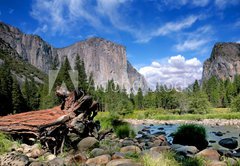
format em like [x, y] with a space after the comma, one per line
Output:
[14, 158]
[217, 163]
[56, 162]
[77, 159]
[130, 149]
[127, 142]
[160, 149]
[87, 143]
[122, 162]
[209, 154]
[118, 155]
[38, 163]
[99, 160]
[49, 156]
[97, 152]
[187, 150]
[229, 143]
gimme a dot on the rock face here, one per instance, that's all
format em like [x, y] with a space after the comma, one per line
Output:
[104, 59]
[224, 62]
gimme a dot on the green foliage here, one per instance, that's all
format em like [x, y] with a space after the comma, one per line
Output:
[199, 104]
[164, 159]
[191, 134]
[6, 143]
[5, 90]
[139, 99]
[196, 87]
[235, 106]
[124, 130]
[31, 94]
[82, 77]
[18, 103]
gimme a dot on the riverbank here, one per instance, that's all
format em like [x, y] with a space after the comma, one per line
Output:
[210, 122]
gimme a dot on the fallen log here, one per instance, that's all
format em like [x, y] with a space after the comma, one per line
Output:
[52, 126]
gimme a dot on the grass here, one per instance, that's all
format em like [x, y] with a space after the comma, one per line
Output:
[160, 114]
[6, 143]
[165, 159]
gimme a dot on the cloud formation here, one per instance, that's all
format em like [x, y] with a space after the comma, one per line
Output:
[176, 72]
[196, 40]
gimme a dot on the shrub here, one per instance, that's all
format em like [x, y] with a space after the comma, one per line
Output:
[191, 134]
[199, 104]
[124, 131]
[5, 143]
[235, 105]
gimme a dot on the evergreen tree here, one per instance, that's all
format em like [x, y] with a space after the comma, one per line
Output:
[212, 89]
[5, 90]
[18, 102]
[196, 87]
[31, 94]
[139, 99]
[82, 77]
[91, 86]
[64, 77]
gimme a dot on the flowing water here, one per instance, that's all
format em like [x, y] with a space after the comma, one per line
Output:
[227, 131]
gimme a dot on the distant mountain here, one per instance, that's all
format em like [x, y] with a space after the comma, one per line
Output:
[20, 68]
[224, 62]
[104, 59]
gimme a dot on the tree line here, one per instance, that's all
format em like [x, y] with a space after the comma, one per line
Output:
[30, 95]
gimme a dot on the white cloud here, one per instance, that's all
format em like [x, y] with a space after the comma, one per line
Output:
[177, 72]
[195, 40]
[180, 3]
[61, 15]
[222, 4]
[191, 44]
[169, 28]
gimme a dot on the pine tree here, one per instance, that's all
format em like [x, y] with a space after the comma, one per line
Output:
[196, 87]
[139, 99]
[64, 76]
[5, 90]
[18, 102]
[82, 76]
[91, 86]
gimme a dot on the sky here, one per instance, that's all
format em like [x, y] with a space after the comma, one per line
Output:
[166, 40]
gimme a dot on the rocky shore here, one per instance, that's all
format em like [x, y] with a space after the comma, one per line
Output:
[209, 122]
[112, 151]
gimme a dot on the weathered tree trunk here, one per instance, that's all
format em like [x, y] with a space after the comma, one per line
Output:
[52, 126]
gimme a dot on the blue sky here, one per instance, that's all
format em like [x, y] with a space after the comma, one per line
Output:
[162, 37]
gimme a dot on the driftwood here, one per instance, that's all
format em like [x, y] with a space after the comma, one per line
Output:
[56, 125]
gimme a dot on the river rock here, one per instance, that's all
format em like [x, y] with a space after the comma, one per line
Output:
[56, 162]
[216, 163]
[209, 154]
[99, 160]
[97, 152]
[77, 159]
[127, 142]
[130, 149]
[160, 149]
[14, 158]
[187, 150]
[118, 155]
[122, 162]
[219, 133]
[87, 144]
[228, 143]
[49, 156]
[38, 163]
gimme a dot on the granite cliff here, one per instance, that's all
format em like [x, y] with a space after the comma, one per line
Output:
[105, 59]
[224, 62]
